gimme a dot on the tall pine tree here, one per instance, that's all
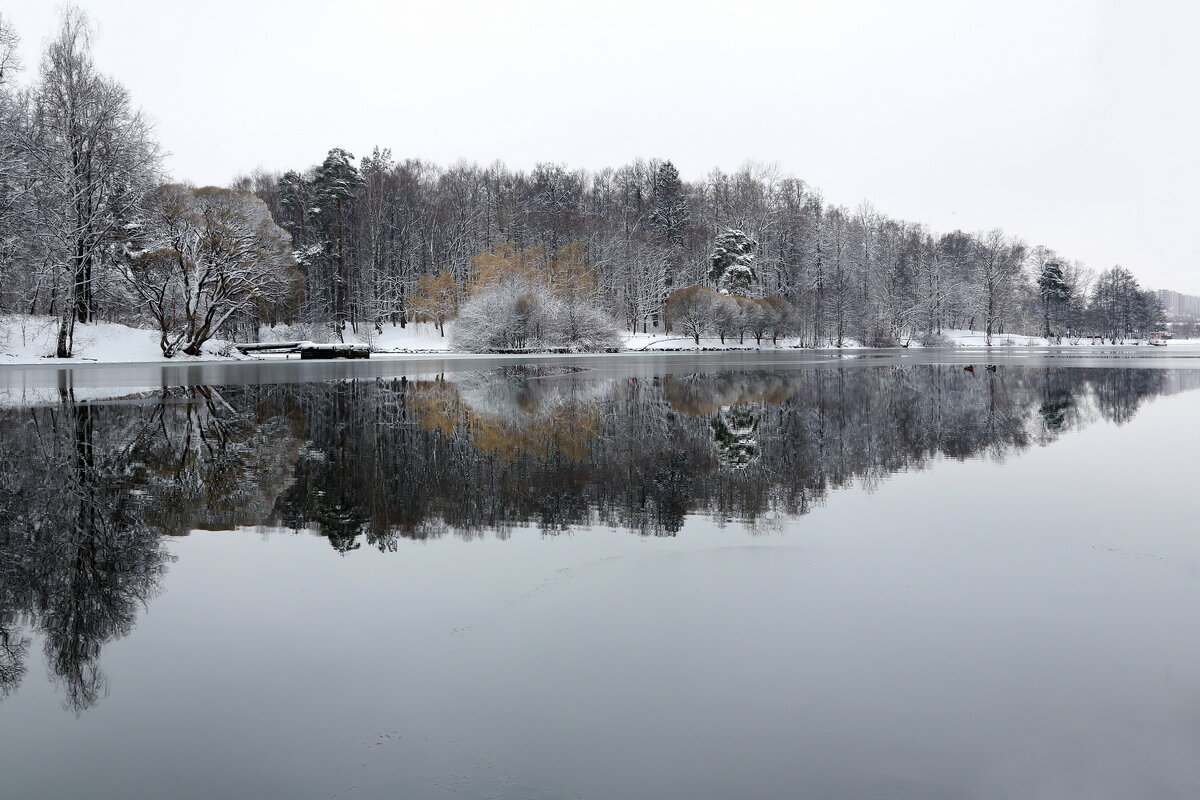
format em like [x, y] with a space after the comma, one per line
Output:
[335, 186]
[1054, 290]
[730, 268]
[669, 211]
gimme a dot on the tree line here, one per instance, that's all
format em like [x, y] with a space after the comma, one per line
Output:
[734, 254]
[90, 229]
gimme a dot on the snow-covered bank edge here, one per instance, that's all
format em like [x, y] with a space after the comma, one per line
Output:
[26, 340]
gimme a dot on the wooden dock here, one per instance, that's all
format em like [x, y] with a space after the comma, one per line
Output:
[308, 350]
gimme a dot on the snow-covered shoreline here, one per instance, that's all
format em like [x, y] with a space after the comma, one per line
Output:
[26, 341]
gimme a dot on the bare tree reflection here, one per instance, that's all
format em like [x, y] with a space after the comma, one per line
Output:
[554, 449]
[87, 491]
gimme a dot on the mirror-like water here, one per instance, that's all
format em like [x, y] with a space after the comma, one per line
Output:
[711, 577]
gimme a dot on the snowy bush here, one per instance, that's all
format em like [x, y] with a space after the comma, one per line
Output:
[519, 316]
[880, 336]
[935, 339]
[499, 318]
[579, 326]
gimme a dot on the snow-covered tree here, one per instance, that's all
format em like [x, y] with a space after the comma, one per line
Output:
[1054, 291]
[730, 267]
[92, 159]
[205, 254]
[669, 211]
[1001, 277]
[1120, 308]
[335, 186]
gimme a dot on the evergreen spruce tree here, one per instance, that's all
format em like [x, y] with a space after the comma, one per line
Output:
[1054, 290]
[669, 212]
[730, 268]
[335, 185]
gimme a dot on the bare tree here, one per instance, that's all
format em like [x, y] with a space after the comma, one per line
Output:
[694, 310]
[1000, 275]
[207, 254]
[94, 159]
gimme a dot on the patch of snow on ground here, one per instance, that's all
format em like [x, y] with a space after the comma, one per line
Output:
[28, 339]
[966, 338]
[673, 341]
[415, 337]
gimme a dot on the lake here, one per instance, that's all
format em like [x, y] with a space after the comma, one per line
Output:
[714, 575]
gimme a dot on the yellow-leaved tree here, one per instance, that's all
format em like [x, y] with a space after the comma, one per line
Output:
[507, 263]
[569, 273]
[435, 299]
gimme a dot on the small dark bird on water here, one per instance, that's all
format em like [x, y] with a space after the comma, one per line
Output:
[991, 367]
[969, 368]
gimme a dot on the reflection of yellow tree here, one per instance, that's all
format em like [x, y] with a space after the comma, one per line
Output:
[533, 431]
[698, 396]
[566, 430]
[436, 404]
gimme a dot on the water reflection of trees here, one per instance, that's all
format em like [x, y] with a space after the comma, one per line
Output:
[415, 459]
[87, 490]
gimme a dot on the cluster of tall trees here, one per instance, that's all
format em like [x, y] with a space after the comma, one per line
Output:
[75, 159]
[86, 232]
[387, 241]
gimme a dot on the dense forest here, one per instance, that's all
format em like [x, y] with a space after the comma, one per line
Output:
[91, 229]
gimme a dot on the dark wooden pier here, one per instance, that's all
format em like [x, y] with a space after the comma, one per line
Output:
[308, 350]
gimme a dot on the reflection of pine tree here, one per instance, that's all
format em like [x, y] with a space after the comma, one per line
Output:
[733, 432]
[1054, 410]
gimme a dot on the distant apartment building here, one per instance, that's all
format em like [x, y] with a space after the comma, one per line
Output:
[1179, 305]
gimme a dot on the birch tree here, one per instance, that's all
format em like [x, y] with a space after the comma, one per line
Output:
[93, 158]
[999, 273]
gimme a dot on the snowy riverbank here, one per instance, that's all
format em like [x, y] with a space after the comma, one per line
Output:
[31, 340]
[28, 339]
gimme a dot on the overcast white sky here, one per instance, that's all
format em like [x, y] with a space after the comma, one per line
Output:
[1071, 123]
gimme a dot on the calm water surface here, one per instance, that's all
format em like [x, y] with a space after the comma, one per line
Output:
[694, 576]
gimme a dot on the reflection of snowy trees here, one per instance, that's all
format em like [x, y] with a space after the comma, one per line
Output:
[76, 557]
[86, 491]
[733, 432]
[516, 446]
